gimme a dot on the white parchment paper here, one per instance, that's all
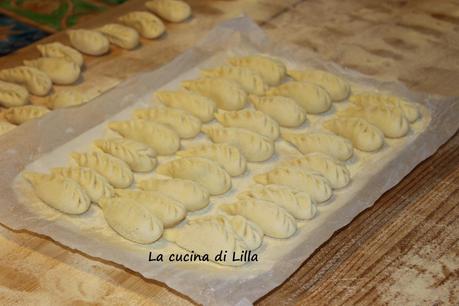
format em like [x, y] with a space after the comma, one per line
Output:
[46, 143]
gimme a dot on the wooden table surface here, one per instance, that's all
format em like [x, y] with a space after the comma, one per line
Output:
[402, 251]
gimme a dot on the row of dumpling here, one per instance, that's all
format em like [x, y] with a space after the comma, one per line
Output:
[61, 64]
[285, 196]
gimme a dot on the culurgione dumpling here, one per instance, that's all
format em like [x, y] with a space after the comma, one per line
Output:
[225, 155]
[185, 124]
[89, 41]
[36, 81]
[148, 25]
[227, 94]
[170, 10]
[161, 138]
[58, 50]
[131, 220]
[200, 106]
[249, 232]
[120, 35]
[297, 203]
[201, 170]
[271, 70]
[253, 146]
[12, 94]
[192, 195]
[313, 98]
[208, 236]
[168, 210]
[334, 171]
[389, 119]
[284, 110]
[364, 135]
[5, 127]
[95, 185]
[310, 182]
[21, 114]
[115, 170]
[337, 88]
[249, 80]
[309, 142]
[410, 110]
[138, 156]
[66, 98]
[61, 193]
[59, 70]
[275, 221]
[250, 119]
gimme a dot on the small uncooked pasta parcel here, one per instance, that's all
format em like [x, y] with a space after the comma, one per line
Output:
[95, 185]
[59, 70]
[250, 119]
[20, 114]
[58, 50]
[182, 122]
[270, 69]
[201, 170]
[138, 156]
[12, 94]
[148, 25]
[89, 41]
[161, 138]
[120, 35]
[364, 135]
[227, 94]
[284, 110]
[200, 106]
[254, 147]
[208, 236]
[36, 81]
[334, 171]
[313, 98]
[191, 194]
[66, 98]
[389, 119]
[297, 203]
[225, 155]
[170, 10]
[5, 127]
[115, 170]
[409, 109]
[61, 193]
[337, 88]
[131, 220]
[327, 143]
[310, 182]
[168, 210]
[249, 79]
[274, 221]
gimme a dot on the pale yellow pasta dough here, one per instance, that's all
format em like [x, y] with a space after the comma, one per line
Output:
[12, 94]
[253, 146]
[227, 94]
[200, 106]
[250, 119]
[120, 35]
[312, 98]
[170, 10]
[284, 110]
[270, 69]
[249, 79]
[20, 114]
[58, 50]
[61, 193]
[131, 220]
[148, 25]
[364, 135]
[89, 41]
[59, 70]
[201, 170]
[35, 80]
